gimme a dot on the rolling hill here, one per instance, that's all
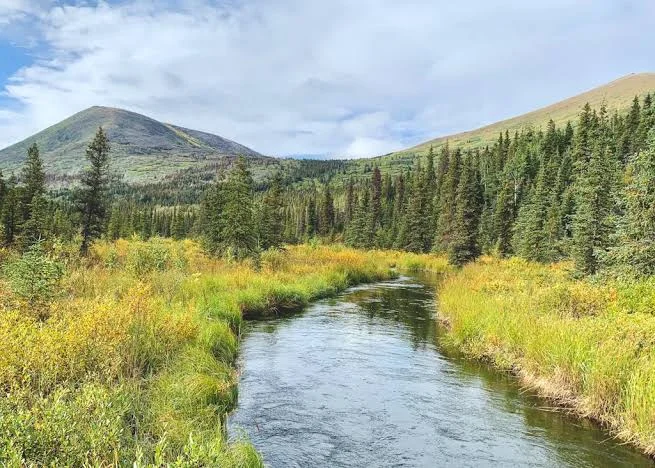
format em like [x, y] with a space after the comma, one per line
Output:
[617, 94]
[143, 149]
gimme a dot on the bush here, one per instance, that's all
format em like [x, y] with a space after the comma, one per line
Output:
[34, 280]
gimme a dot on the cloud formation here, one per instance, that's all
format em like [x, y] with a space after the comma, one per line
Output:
[348, 78]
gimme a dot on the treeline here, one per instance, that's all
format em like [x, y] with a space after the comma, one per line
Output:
[585, 192]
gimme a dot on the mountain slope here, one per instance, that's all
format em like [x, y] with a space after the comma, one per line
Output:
[142, 148]
[617, 94]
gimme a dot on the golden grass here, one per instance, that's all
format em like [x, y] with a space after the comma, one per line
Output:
[136, 362]
[587, 345]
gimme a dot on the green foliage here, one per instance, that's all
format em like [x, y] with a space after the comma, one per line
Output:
[34, 280]
[228, 215]
[95, 180]
[465, 246]
[634, 244]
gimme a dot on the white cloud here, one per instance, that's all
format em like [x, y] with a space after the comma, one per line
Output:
[344, 77]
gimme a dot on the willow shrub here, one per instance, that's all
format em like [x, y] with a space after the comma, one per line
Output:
[588, 343]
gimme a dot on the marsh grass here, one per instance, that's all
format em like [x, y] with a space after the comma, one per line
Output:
[589, 344]
[135, 363]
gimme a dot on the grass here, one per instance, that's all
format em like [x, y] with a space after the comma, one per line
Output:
[587, 345]
[134, 363]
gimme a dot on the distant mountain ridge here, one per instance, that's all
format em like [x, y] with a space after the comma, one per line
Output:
[147, 150]
[142, 148]
[617, 94]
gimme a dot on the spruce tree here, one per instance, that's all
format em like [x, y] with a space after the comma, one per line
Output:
[464, 246]
[311, 217]
[358, 234]
[593, 198]
[416, 228]
[33, 178]
[178, 227]
[238, 236]
[375, 219]
[211, 217]
[634, 245]
[271, 223]
[446, 210]
[326, 215]
[10, 212]
[95, 182]
[350, 201]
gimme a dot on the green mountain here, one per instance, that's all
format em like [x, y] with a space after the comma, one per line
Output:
[143, 149]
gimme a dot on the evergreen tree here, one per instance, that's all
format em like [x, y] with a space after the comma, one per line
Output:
[357, 234]
[447, 195]
[211, 217]
[350, 201]
[146, 230]
[634, 244]
[95, 182]
[238, 236]
[464, 246]
[178, 230]
[417, 228]
[271, 224]
[326, 217]
[311, 217]
[33, 177]
[10, 212]
[375, 221]
[593, 196]
[34, 229]
[114, 225]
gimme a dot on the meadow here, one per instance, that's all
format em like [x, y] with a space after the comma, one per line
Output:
[131, 358]
[588, 345]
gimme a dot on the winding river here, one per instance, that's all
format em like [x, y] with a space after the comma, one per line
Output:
[362, 380]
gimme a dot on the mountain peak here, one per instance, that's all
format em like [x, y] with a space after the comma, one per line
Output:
[142, 147]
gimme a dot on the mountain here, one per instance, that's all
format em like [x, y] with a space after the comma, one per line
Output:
[143, 149]
[617, 94]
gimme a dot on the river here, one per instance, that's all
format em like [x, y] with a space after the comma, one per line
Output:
[362, 380]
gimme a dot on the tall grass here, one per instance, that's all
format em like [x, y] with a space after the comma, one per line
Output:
[135, 362]
[589, 345]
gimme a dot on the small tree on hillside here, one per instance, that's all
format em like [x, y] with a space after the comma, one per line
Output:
[95, 182]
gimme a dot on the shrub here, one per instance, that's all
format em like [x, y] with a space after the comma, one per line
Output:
[34, 279]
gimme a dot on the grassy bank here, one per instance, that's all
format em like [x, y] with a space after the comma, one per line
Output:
[588, 345]
[134, 358]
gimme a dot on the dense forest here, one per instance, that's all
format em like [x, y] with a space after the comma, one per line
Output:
[583, 191]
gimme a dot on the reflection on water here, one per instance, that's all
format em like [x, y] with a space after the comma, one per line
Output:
[362, 380]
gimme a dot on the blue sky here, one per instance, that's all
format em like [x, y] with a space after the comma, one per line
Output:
[345, 78]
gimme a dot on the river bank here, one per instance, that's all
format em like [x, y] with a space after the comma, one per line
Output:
[133, 360]
[589, 347]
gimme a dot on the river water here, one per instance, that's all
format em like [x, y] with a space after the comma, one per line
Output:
[362, 380]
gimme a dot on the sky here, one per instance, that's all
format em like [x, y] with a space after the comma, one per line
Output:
[341, 78]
